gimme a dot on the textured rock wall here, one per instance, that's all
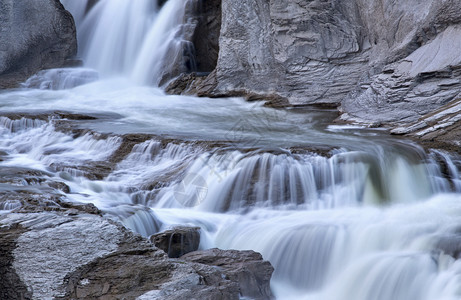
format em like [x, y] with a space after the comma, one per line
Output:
[305, 51]
[319, 51]
[419, 48]
[34, 34]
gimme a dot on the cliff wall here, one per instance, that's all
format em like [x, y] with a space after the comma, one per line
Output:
[34, 35]
[382, 61]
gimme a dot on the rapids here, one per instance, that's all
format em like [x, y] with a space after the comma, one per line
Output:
[342, 212]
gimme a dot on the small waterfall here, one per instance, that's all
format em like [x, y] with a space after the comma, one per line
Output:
[61, 79]
[237, 181]
[163, 45]
[363, 224]
[36, 143]
[132, 38]
[354, 253]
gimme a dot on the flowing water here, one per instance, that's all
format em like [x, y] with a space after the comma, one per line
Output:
[341, 212]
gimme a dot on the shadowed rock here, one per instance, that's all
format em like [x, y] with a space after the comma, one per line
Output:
[177, 241]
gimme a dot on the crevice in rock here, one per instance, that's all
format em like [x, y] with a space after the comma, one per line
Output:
[206, 36]
[11, 285]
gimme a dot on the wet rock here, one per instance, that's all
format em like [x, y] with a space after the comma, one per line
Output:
[52, 245]
[35, 34]
[29, 199]
[20, 176]
[73, 207]
[67, 256]
[305, 52]
[177, 241]
[184, 84]
[271, 100]
[440, 128]
[318, 52]
[58, 185]
[245, 267]
[96, 170]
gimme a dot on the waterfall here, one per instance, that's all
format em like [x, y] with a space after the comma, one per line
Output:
[133, 39]
[341, 212]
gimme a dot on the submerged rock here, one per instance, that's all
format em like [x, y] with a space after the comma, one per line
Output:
[60, 79]
[177, 241]
[35, 35]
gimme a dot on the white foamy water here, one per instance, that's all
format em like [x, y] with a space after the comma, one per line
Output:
[341, 212]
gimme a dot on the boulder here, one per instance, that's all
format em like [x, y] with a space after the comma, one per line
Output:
[177, 241]
[248, 268]
[74, 255]
[34, 35]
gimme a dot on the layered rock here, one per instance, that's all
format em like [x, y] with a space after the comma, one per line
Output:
[318, 52]
[412, 87]
[34, 35]
[385, 64]
[244, 267]
[72, 254]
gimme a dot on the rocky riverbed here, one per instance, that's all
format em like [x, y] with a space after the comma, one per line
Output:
[387, 66]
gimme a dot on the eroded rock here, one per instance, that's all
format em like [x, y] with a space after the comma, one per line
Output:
[245, 267]
[177, 241]
[80, 256]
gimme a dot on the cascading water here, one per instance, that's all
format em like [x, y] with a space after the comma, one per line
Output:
[341, 213]
[130, 38]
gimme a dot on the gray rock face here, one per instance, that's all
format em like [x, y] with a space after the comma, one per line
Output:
[34, 35]
[318, 52]
[74, 255]
[245, 267]
[414, 86]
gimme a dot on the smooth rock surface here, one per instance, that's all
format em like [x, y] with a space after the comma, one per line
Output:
[34, 35]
